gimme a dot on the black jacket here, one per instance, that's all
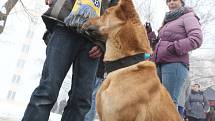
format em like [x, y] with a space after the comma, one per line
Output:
[50, 21]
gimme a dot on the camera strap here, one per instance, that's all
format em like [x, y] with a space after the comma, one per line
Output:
[57, 7]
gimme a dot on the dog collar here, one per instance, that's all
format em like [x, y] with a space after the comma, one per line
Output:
[125, 62]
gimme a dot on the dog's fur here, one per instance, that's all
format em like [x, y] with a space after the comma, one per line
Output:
[132, 93]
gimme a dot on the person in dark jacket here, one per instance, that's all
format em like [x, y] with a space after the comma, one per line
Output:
[180, 33]
[196, 105]
[66, 46]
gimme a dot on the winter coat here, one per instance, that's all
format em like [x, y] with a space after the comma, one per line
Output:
[197, 105]
[50, 20]
[177, 38]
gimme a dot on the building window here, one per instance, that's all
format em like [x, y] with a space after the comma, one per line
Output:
[25, 48]
[29, 34]
[11, 95]
[16, 79]
[20, 63]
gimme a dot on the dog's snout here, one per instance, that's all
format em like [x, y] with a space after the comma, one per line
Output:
[91, 30]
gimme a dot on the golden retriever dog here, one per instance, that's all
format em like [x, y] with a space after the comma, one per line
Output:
[134, 92]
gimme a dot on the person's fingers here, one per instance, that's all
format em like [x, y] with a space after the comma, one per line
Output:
[98, 56]
[95, 52]
[93, 49]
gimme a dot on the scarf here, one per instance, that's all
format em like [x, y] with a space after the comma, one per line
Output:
[173, 15]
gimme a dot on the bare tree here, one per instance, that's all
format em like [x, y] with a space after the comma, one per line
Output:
[149, 12]
[9, 5]
[204, 10]
[145, 9]
[5, 10]
[202, 66]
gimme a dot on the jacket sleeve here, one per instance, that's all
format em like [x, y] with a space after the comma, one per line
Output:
[153, 39]
[187, 104]
[206, 105]
[194, 36]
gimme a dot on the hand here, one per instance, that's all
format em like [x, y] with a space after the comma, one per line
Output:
[95, 52]
[148, 27]
[48, 2]
[79, 17]
[171, 48]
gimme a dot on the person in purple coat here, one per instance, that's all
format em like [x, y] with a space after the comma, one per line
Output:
[180, 33]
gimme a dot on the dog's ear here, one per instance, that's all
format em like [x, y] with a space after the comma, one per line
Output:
[120, 14]
[127, 9]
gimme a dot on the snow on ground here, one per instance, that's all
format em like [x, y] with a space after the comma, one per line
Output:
[13, 111]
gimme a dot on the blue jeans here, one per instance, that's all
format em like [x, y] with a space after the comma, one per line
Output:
[181, 111]
[173, 76]
[65, 47]
[91, 114]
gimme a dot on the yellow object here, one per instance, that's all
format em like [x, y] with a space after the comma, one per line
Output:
[95, 4]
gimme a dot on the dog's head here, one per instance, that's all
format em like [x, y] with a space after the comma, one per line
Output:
[121, 27]
[105, 25]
